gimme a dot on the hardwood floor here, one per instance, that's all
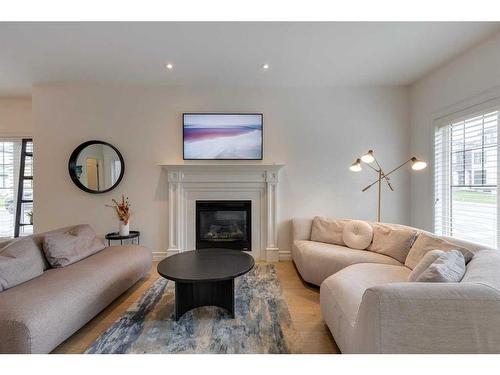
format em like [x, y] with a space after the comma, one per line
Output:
[302, 299]
[303, 303]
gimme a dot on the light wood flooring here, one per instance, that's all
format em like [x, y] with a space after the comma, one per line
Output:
[302, 299]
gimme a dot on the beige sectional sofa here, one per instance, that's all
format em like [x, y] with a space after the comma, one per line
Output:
[39, 314]
[370, 306]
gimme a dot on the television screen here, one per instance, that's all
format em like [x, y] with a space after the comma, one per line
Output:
[215, 136]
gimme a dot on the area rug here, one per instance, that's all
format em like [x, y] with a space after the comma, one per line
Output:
[262, 323]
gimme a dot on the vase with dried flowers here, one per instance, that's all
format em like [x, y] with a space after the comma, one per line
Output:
[122, 209]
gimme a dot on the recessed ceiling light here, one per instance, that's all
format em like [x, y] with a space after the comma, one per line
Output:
[169, 66]
[265, 66]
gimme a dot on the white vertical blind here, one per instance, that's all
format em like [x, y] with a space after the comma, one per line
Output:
[465, 177]
[10, 150]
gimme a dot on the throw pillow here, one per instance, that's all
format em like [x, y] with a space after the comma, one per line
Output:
[328, 230]
[448, 268]
[392, 240]
[63, 249]
[20, 261]
[425, 243]
[424, 263]
[357, 234]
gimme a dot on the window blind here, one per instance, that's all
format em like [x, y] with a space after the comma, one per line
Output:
[10, 150]
[465, 178]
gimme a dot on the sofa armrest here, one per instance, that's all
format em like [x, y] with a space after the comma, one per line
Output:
[16, 337]
[428, 318]
[301, 228]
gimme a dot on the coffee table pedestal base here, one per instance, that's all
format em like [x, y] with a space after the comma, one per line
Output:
[210, 293]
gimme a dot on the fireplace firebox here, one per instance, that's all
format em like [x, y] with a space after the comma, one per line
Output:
[224, 224]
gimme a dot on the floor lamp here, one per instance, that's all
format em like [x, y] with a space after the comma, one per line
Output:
[369, 158]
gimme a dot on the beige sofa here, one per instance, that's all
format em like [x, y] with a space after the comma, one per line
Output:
[370, 307]
[38, 315]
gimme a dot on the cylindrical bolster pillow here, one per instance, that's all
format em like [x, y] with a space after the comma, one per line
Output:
[357, 234]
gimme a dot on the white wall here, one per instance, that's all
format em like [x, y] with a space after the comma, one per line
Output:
[316, 132]
[470, 79]
[15, 117]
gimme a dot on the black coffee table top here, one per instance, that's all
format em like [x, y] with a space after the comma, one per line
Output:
[206, 265]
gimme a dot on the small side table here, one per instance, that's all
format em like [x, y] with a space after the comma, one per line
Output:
[115, 236]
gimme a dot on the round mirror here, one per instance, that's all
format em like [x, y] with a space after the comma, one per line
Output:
[96, 167]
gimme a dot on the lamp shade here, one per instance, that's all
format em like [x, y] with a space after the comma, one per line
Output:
[356, 166]
[417, 164]
[368, 157]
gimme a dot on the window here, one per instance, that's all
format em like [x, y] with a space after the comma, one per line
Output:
[8, 184]
[11, 152]
[478, 158]
[116, 169]
[466, 179]
[479, 177]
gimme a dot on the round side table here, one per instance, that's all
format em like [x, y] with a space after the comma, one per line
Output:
[115, 236]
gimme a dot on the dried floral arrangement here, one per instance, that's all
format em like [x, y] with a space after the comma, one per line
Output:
[122, 209]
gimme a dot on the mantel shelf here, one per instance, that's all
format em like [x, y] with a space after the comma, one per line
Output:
[253, 167]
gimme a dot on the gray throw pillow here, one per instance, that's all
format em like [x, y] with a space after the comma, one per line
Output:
[426, 242]
[448, 267]
[20, 261]
[424, 263]
[63, 249]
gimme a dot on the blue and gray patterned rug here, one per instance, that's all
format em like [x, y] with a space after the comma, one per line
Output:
[262, 323]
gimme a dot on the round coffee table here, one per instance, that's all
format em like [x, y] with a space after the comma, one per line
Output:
[205, 277]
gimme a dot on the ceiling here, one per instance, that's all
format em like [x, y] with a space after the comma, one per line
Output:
[229, 54]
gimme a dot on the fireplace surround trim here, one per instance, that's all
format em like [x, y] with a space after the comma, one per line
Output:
[258, 183]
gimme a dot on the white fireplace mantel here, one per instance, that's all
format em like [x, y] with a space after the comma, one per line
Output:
[256, 182]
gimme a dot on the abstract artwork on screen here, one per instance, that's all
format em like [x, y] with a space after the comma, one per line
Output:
[222, 136]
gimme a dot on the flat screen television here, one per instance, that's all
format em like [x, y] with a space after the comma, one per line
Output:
[222, 136]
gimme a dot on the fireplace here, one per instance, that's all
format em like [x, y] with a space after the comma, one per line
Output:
[224, 224]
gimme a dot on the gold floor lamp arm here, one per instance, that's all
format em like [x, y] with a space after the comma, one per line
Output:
[385, 175]
[382, 175]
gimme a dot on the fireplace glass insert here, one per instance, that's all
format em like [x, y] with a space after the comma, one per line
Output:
[224, 224]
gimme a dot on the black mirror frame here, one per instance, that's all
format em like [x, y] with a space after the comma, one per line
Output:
[72, 166]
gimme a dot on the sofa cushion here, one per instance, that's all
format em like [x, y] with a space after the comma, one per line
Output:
[328, 230]
[392, 240]
[301, 228]
[357, 234]
[449, 267]
[347, 286]
[63, 249]
[424, 263]
[316, 260]
[20, 260]
[483, 269]
[427, 242]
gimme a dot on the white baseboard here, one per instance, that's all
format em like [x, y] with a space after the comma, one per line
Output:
[157, 256]
[160, 255]
[285, 255]
[272, 255]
